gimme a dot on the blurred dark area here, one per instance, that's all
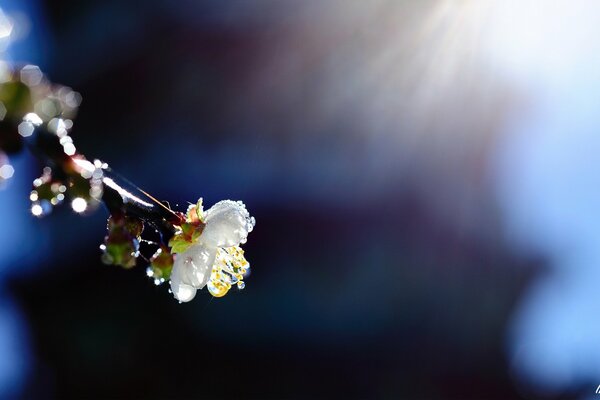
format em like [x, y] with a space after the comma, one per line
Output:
[358, 137]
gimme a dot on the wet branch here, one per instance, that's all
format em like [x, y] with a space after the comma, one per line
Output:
[120, 196]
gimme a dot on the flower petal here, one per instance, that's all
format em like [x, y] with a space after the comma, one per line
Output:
[227, 224]
[181, 290]
[199, 267]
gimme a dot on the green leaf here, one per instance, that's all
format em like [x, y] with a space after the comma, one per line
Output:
[162, 263]
[121, 254]
[197, 233]
[187, 229]
[178, 245]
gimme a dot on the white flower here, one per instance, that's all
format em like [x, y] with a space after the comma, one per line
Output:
[215, 255]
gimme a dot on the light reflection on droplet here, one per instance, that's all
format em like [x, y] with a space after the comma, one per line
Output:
[31, 75]
[25, 129]
[79, 204]
[37, 210]
[33, 118]
[87, 174]
[217, 289]
[46, 107]
[58, 126]
[98, 174]
[41, 208]
[34, 196]
[96, 191]
[6, 171]
[69, 149]
[73, 99]
[125, 195]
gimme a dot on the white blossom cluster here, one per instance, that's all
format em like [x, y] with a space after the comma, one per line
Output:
[227, 226]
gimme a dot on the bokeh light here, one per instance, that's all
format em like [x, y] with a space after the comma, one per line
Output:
[423, 175]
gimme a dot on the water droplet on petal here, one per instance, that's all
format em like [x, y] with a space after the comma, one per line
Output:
[185, 293]
[217, 289]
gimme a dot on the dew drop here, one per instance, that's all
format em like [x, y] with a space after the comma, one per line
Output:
[217, 289]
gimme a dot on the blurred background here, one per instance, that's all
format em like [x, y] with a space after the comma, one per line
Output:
[424, 176]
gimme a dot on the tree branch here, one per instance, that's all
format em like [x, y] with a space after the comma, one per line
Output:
[119, 195]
